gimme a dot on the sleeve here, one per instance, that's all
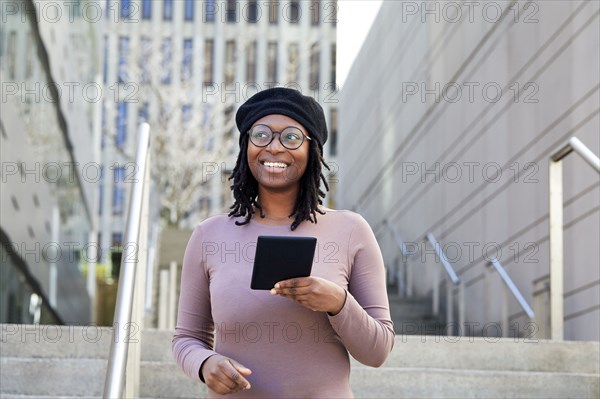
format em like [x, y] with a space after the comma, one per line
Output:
[364, 324]
[193, 341]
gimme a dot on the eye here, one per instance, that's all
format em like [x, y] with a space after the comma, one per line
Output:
[260, 133]
[292, 135]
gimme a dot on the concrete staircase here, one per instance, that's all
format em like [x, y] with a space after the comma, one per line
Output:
[414, 316]
[70, 362]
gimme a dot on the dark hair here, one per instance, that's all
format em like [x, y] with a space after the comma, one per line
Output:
[245, 187]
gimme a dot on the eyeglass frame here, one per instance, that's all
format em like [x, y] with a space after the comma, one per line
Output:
[273, 132]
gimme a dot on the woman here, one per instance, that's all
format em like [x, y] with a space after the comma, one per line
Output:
[292, 341]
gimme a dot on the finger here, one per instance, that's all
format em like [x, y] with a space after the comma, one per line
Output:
[294, 282]
[235, 374]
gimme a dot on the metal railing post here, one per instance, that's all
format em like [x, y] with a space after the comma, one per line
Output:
[555, 212]
[114, 384]
[453, 279]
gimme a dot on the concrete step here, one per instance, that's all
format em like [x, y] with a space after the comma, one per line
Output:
[43, 366]
[444, 383]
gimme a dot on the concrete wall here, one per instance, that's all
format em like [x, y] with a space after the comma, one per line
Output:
[447, 120]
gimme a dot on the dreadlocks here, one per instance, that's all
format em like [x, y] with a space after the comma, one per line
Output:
[245, 188]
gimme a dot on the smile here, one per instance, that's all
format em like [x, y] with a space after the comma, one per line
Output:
[275, 164]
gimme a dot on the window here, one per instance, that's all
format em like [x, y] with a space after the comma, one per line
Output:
[251, 62]
[229, 62]
[167, 10]
[143, 113]
[125, 8]
[333, 66]
[208, 61]
[118, 203]
[187, 61]
[117, 240]
[146, 9]
[210, 10]
[186, 114]
[314, 67]
[252, 12]
[121, 124]
[315, 12]
[188, 11]
[293, 12]
[231, 11]
[333, 129]
[274, 12]
[293, 63]
[123, 51]
[272, 62]
[144, 61]
[105, 61]
[167, 56]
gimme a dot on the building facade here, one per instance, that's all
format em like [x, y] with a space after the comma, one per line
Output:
[185, 67]
[49, 61]
[449, 131]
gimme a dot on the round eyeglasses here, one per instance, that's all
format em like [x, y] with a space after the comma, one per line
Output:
[291, 137]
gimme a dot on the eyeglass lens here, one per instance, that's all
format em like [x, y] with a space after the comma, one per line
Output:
[290, 137]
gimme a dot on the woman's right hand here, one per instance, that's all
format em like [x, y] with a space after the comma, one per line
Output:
[224, 375]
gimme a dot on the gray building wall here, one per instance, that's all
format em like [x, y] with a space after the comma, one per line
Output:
[49, 153]
[447, 120]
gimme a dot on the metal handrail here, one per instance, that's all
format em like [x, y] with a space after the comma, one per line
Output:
[117, 361]
[555, 215]
[513, 288]
[447, 266]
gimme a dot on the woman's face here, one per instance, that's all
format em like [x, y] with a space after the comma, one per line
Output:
[274, 166]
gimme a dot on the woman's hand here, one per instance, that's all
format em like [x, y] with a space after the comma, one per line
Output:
[314, 293]
[224, 375]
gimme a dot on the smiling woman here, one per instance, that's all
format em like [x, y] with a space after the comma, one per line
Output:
[294, 340]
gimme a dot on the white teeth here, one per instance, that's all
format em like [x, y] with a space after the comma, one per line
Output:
[276, 164]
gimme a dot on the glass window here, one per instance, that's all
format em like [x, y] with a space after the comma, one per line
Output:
[333, 129]
[143, 113]
[123, 51]
[186, 114]
[333, 65]
[229, 61]
[119, 191]
[167, 56]
[293, 12]
[251, 62]
[189, 10]
[293, 63]
[121, 124]
[272, 62]
[125, 9]
[167, 10]
[231, 11]
[314, 67]
[210, 10]
[252, 11]
[105, 61]
[146, 9]
[187, 61]
[315, 12]
[144, 61]
[208, 61]
[274, 11]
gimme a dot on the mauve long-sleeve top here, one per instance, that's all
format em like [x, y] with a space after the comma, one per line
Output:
[292, 351]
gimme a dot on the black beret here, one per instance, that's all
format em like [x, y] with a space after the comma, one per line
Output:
[284, 101]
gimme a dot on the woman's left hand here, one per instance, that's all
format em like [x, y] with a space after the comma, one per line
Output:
[314, 293]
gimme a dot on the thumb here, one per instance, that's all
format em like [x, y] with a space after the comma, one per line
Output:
[241, 368]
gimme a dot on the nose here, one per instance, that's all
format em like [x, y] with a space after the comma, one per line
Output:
[275, 144]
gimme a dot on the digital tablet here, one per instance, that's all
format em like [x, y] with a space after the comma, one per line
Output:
[280, 258]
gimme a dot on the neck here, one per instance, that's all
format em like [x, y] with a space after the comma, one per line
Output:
[275, 204]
